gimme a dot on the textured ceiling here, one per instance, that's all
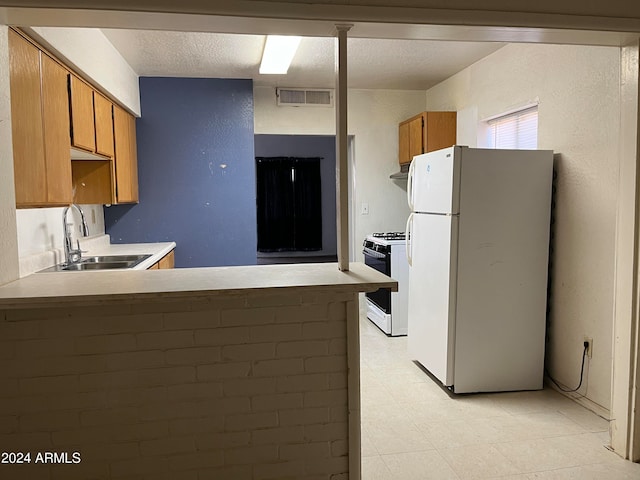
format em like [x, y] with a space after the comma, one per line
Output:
[373, 63]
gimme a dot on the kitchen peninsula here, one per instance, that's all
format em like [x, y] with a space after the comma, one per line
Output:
[225, 372]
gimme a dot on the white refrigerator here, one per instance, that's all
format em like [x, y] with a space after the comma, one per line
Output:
[477, 246]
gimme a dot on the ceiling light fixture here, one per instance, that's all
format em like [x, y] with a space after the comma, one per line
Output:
[278, 53]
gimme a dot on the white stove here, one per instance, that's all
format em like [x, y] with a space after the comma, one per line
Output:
[386, 252]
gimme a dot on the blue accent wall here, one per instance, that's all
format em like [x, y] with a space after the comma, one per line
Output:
[323, 146]
[196, 170]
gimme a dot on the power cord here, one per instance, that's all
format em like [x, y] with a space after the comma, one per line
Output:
[584, 355]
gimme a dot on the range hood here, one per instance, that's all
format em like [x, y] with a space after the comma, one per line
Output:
[402, 174]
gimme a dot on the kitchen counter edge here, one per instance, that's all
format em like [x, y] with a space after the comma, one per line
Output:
[85, 288]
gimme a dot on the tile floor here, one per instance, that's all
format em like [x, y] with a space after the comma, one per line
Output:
[411, 428]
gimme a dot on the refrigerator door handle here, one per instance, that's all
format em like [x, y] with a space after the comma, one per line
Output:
[410, 185]
[408, 238]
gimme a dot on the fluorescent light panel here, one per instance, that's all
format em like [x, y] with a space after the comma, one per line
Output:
[278, 53]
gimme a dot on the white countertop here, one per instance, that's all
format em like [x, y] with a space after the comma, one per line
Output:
[51, 289]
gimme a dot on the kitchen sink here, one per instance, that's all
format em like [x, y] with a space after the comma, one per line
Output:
[76, 267]
[105, 262]
[116, 259]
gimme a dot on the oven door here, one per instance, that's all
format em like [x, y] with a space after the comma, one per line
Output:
[381, 262]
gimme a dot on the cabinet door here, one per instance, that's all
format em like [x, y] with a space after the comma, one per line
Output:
[403, 143]
[126, 162]
[104, 125]
[133, 159]
[440, 130]
[26, 120]
[83, 134]
[55, 112]
[416, 137]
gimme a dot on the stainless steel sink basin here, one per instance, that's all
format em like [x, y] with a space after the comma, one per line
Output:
[106, 262]
[115, 258]
[75, 267]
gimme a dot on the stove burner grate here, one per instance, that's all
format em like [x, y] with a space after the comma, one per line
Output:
[389, 235]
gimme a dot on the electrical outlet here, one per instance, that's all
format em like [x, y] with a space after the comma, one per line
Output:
[589, 340]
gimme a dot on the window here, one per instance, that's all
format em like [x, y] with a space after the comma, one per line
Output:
[517, 130]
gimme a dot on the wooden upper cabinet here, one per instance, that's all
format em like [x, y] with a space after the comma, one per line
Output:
[55, 112]
[46, 98]
[426, 132]
[416, 136]
[125, 160]
[26, 121]
[83, 133]
[440, 130]
[133, 160]
[403, 143]
[104, 125]
[40, 120]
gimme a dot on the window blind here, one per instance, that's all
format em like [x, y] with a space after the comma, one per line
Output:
[517, 130]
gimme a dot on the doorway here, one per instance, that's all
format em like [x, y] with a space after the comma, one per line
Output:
[301, 171]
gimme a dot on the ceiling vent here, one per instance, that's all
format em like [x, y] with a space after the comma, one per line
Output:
[304, 97]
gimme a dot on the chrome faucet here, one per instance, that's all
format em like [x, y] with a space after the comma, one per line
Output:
[73, 255]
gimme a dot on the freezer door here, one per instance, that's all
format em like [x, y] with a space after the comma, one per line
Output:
[433, 182]
[432, 293]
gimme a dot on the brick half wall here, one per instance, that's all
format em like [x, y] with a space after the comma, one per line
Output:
[238, 387]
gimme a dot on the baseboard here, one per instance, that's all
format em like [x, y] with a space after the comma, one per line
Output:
[583, 401]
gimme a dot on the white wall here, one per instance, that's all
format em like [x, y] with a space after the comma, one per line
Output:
[579, 108]
[373, 118]
[40, 229]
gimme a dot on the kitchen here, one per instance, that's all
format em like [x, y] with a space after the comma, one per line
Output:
[369, 127]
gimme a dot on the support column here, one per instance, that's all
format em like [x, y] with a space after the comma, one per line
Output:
[342, 164]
